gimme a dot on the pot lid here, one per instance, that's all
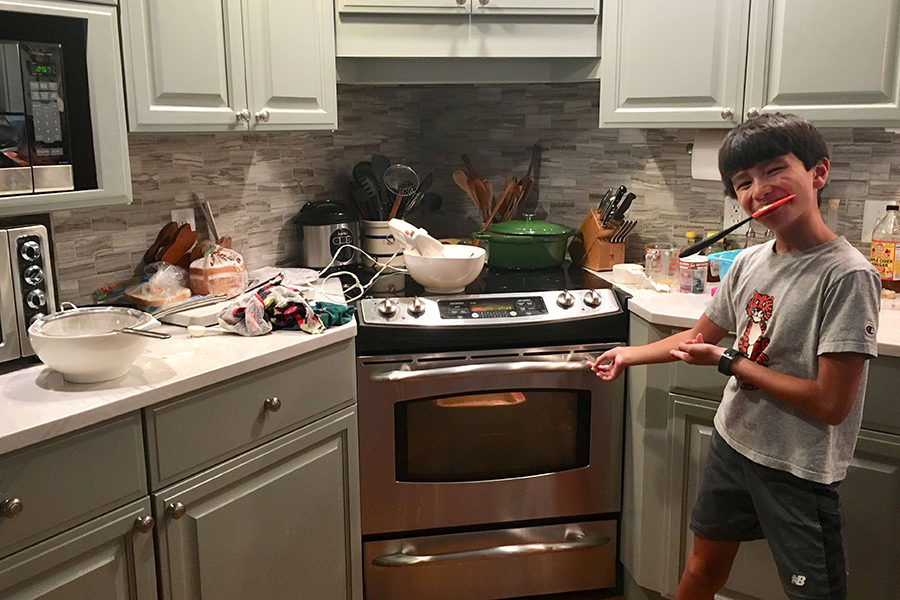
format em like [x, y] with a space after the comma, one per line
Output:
[528, 225]
[325, 212]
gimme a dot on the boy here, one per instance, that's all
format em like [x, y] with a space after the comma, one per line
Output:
[805, 309]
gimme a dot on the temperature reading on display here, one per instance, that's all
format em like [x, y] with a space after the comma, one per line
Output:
[492, 306]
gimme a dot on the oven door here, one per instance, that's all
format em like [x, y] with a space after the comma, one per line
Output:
[487, 437]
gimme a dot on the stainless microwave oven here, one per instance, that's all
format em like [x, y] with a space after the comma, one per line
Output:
[35, 146]
[26, 287]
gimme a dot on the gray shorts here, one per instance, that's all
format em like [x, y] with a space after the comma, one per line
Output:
[741, 500]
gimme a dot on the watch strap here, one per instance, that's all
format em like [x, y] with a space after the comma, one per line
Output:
[726, 360]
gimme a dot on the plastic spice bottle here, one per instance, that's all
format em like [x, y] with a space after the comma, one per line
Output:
[690, 238]
[883, 249]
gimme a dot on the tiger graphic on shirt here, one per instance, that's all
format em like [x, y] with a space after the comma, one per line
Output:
[759, 309]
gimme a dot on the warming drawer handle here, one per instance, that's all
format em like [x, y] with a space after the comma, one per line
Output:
[402, 559]
[487, 368]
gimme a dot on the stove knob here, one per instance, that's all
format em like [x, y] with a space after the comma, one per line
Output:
[30, 250]
[387, 308]
[592, 298]
[34, 275]
[417, 307]
[565, 299]
[36, 299]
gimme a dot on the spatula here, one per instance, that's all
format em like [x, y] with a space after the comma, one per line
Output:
[715, 238]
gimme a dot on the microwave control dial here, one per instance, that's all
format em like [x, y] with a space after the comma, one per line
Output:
[36, 299]
[33, 275]
[387, 308]
[592, 298]
[416, 307]
[565, 299]
[30, 251]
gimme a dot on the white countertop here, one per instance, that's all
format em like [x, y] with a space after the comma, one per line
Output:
[37, 404]
[682, 310]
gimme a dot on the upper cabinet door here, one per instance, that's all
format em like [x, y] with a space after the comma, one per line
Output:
[184, 65]
[673, 64]
[289, 47]
[832, 61]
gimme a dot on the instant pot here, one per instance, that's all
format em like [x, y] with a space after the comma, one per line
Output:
[323, 227]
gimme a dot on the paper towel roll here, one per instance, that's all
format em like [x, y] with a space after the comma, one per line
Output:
[705, 155]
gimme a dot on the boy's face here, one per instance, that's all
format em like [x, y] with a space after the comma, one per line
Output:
[773, 179]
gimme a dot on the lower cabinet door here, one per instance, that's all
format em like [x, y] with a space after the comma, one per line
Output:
[107, 558]
[279, 521]
[870, 497]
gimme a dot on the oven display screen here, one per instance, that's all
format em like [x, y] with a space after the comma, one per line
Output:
[521, 306]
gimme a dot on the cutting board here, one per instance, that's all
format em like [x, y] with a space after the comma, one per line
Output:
[328, 290]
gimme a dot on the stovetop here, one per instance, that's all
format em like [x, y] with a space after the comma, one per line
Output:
[500, 309]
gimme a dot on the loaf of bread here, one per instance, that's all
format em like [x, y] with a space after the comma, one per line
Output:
[220, 272]
[149, 295]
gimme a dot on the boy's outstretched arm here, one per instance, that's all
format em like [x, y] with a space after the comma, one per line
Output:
[613, 362]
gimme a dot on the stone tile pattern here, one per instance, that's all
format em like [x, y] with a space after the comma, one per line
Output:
[257, 182]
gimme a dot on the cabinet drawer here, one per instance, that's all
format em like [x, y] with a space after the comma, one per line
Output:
[701, 382]
[203, 428]
[880, 410]
[64, 482]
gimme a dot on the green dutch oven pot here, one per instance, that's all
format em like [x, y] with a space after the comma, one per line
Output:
[525, 244]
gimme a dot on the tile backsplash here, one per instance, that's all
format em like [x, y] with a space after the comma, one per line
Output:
[256, 183]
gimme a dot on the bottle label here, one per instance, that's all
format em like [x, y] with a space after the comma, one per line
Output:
[883, 256]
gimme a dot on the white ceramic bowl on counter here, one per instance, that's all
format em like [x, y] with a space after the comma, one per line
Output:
[83, 345]
[448, 274]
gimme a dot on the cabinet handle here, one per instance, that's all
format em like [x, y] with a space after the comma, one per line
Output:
[727, 113]
[753, 112]
[273, 404]
[176, 510]
[262, 115]
[242, 115]
[10, 507]
[144, 524]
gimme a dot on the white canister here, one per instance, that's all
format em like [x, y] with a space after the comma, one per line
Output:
[379, 243]
[692, 274]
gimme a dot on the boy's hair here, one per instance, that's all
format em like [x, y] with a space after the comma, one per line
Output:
[766, 137]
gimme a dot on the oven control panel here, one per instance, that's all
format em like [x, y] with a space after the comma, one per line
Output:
[488, 309]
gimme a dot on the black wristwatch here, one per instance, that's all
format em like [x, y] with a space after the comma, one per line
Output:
[727, 358]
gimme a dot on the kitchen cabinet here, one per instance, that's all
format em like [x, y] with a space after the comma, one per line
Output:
[269, 459]
[714, 63]
[404, 33]
[229, 65]
[670, 410]
[75, 517]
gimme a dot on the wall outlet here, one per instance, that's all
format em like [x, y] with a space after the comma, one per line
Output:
[732, 215]
[873, 211]
[184, 215]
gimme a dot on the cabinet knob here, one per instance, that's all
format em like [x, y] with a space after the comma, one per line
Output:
[484, 2]
[242, 115]
[262, 115]
[461, 2]
[727, 113]
[273, 404]
[753, 112]
[144, 524]
[10, 507]
[176, 510]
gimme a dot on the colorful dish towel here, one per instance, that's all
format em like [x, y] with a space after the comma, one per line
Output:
[281, 307]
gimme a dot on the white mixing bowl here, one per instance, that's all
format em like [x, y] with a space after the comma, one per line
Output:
[82, 345]
[448, 274]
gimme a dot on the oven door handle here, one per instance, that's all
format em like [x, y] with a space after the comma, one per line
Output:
[482, 369]
[404, 558]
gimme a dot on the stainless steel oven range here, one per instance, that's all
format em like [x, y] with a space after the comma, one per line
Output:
[490, 455]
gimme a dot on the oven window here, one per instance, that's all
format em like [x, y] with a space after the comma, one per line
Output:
[492, 435]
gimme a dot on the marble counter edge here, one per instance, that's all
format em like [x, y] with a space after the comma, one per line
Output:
[130, 398]
[659, 309]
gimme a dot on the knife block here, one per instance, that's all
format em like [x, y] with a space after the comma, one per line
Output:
[591, 246]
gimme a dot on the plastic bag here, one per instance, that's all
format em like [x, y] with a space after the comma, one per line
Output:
[167, 285]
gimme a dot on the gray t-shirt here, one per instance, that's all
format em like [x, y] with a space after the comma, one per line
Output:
[786, 310]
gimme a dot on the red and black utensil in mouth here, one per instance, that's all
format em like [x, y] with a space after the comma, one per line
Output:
[715, 238]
